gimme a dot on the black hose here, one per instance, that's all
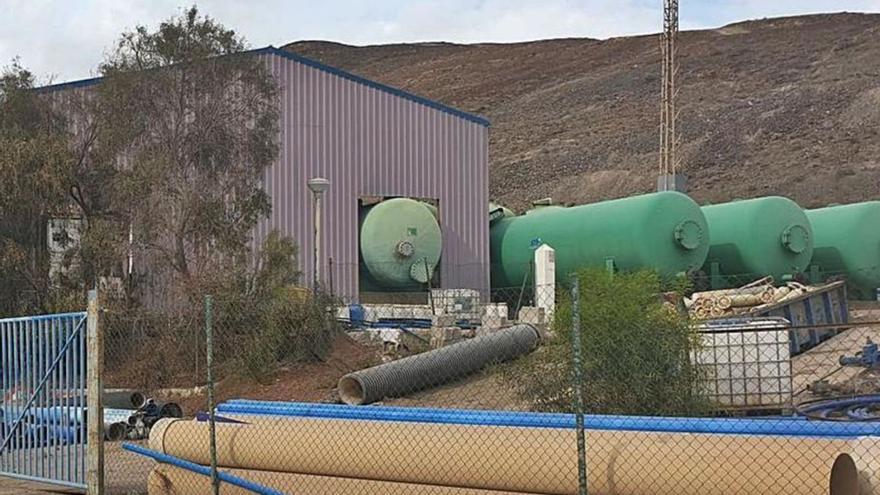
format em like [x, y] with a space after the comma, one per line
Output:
[848, 408]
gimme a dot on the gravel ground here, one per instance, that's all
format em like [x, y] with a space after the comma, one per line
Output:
[125, 474]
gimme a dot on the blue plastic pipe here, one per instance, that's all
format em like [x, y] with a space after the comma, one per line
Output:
[56, 415]
[783, 426]
[34, 436]
[407, 414]
[203, 470]
[74, 415]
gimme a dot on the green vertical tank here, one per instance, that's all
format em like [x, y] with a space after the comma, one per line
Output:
[757, 237]
[397, 238]
[665, 231]
[848, 243]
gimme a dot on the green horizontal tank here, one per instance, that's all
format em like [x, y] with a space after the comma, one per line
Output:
[665, 231]
[847, 242]
[757, 237]
[397, 238]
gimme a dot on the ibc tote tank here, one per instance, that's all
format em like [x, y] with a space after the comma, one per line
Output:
[665, 231]
[397, 236]
[757, 237]
[848, 243]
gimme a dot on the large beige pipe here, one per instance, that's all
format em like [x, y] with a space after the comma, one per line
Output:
[535, 460]
[170, 480]
[866, 454]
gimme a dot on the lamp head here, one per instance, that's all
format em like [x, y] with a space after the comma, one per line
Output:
[318, 185]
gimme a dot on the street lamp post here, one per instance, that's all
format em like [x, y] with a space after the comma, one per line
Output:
[318, 186]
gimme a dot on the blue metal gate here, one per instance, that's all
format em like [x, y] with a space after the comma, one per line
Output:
[42, 413]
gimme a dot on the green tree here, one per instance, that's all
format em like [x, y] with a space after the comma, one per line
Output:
[193, 122]
[35, 162]
[635, 352]
[163, 161]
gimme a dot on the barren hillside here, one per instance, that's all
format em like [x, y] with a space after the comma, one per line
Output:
[780, 106]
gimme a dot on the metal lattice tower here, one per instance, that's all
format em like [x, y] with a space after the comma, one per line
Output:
[668, 137]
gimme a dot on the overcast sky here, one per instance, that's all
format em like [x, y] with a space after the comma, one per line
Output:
[65, 39]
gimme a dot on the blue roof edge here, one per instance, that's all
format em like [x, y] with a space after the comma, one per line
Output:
[271, 50]
[376, 85]
[80, 83]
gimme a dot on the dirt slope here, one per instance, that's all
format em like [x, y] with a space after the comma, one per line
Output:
[781, 106]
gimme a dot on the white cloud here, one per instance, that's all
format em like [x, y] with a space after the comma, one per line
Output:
[712, 13]
[516, 20]
[68, 39]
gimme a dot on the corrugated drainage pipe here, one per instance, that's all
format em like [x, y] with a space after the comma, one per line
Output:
[436, 367]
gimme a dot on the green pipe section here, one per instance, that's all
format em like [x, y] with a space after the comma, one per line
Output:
[847, 242]
[398, 238]
[665, 231]
[757, 237]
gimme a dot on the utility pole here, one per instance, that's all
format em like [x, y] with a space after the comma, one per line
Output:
[668, 178]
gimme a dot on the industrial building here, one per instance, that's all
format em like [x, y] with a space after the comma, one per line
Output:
[371, 142]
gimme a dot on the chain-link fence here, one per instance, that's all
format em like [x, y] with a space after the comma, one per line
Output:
[608, 383]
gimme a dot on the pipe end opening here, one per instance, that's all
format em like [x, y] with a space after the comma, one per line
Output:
[117, 432]
[351, 391]
[844, 476]
[138, 400]
[170, 410]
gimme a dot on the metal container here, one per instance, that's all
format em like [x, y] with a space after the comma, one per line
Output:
[818, 315]
[757, 237]
[847, 243]
[400, 243]
[664, 231]
[463, 303]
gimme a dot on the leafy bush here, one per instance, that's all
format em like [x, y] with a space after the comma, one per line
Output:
[261, 319]
[289, 327]
[150, 348]
[264, 319]
[635, 352]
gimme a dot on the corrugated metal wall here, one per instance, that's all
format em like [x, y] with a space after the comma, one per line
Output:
[370, 142]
